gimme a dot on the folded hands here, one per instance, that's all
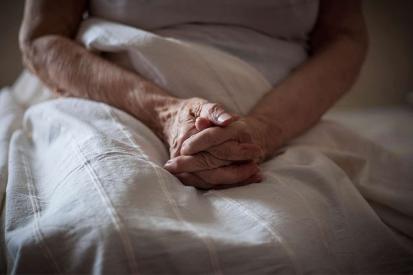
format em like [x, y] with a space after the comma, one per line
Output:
[211, 148]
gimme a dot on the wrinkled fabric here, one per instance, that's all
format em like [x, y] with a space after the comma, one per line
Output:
[86, 191]
[271, 35]
[287, 19]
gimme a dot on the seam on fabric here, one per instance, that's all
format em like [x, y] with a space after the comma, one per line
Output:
[207, 242]
[310, 210]
[344, 218]
[115, 218]
[36, 210]
[277, 237]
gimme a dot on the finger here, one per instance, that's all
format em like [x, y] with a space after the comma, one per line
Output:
[190, 179]
[231, 174]
[217, 114]
[202, 123]
[235, 151]
[213, 136]
[193, 163]
[188, 131]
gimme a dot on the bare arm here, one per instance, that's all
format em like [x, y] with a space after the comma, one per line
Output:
[69, 69]
[339, 45]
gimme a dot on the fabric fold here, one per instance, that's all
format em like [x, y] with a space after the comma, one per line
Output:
[86, 191]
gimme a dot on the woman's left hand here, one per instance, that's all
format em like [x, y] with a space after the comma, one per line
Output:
[244, 130]
[223, 145]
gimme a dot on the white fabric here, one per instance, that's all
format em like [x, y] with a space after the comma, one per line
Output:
[272, 36]
[273, 57]
[183, 68]
[86, 191]
[388, 126]
[287, 19]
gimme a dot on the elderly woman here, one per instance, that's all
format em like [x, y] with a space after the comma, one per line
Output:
[338, 46]
[317, 221]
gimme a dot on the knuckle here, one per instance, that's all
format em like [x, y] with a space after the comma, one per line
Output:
[215, 109]
[244, 136]
[179, 163]
[225, 151]
[207, 161]
[187, 147]
[196, 106]
[201, 141]
[203, 163]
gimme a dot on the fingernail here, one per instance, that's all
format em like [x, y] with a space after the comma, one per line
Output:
[223, 117]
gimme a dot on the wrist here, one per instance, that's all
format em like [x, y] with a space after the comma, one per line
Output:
[153, 107]
[266, 134]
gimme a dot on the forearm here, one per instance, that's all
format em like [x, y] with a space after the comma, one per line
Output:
[69, 69]
[299, 101]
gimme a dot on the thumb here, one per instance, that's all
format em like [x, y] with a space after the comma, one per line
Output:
[202, 123]
[217, 115]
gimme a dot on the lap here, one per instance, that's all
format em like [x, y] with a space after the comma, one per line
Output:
[89, 193]
[79, 170]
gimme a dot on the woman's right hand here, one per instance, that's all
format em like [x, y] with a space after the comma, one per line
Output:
[229, 163]
[183, 118]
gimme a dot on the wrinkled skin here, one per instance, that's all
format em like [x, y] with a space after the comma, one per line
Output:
[206, 152]
[210, 162]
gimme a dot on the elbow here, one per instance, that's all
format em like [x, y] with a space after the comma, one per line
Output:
[358, 36]
[32, 46]
[364, 44]
[27, 49]
[36, 51]
[360, 41]
[359, 48]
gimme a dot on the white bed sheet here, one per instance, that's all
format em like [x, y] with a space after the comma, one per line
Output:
[389, 126]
